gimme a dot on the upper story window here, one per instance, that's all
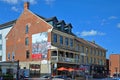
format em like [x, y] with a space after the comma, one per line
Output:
[66, 41]
[8, 56]
[26, 41]
[0, 58]
[59, 26]
[91, 60]
[61, 39]
[27, 29]
[86, 50]
[91, 50]
[82, 59]
[13, 56]
[77, 47]
[95, 60]
[71, 42]
[27, 54]
[0, 36]
[87, 61]
[82, 49]
[55, 38]
[66, 29]
[0, 46]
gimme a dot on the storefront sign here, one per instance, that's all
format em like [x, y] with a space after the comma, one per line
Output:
[36, 56]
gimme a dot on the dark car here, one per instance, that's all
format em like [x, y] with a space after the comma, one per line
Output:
[61, 77]
[46, 77]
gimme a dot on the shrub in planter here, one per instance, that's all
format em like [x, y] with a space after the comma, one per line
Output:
[8, 77]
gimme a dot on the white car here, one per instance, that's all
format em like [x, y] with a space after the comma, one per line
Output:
[116, 78]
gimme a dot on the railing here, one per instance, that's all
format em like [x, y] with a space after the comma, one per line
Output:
[64, 59]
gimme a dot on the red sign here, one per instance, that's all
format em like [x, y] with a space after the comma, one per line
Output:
[36, 56]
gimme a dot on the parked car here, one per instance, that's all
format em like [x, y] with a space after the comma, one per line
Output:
[61, 77]
[116, 78]
[46, 77]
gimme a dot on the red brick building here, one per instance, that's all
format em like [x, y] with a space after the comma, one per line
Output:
[57, 45]
[114, 64]
[19, 39]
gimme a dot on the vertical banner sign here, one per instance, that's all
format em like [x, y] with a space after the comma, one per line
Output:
[40, 45]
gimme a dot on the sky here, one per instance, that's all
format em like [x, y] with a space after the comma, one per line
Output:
[92, 20]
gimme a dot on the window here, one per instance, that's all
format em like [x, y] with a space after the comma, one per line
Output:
[66, 41]
[82, 49]
[86, 50]
[66, 29]
[54, 53]
[0, 46]
[55, 38]
[59, 26]
[26, 41]
[27, 29]
[91, 51]
[82, 57]
[71, 42]
[87, 60]
[91, 60]
[61, 39]
[0, 36]
[95, 60]
[8, 56]
[13, 56]
[27, 54]
[0, 58]
[77, 47]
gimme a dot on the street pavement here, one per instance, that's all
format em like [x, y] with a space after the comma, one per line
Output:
[72, 79]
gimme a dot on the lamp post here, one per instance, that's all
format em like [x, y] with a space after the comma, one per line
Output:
[116, 69]
[18, 70]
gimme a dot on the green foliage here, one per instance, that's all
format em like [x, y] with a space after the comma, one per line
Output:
[7, 77]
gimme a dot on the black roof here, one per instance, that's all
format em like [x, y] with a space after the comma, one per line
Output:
[7, 24]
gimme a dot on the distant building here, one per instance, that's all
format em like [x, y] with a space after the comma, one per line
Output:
[114, 64]
[4, 30]
[45, 44]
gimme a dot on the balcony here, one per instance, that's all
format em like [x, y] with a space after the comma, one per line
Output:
[64, 59]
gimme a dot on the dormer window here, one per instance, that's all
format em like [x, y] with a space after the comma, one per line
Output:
[59, 26]
[66, 29]
[27, 29]
[51, 23]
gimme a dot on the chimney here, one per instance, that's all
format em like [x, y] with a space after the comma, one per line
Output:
[26, 5]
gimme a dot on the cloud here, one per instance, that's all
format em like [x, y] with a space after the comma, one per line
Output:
[118, 25]
[18, 1]
[90, 33]
[49, 2]
[112, 17]
[14, 9]
[30, 1]
[11, 1]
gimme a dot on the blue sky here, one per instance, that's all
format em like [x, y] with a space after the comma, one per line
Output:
[97, 20]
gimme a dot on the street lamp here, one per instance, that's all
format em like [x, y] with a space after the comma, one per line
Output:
[18, 70]
[116, 69]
